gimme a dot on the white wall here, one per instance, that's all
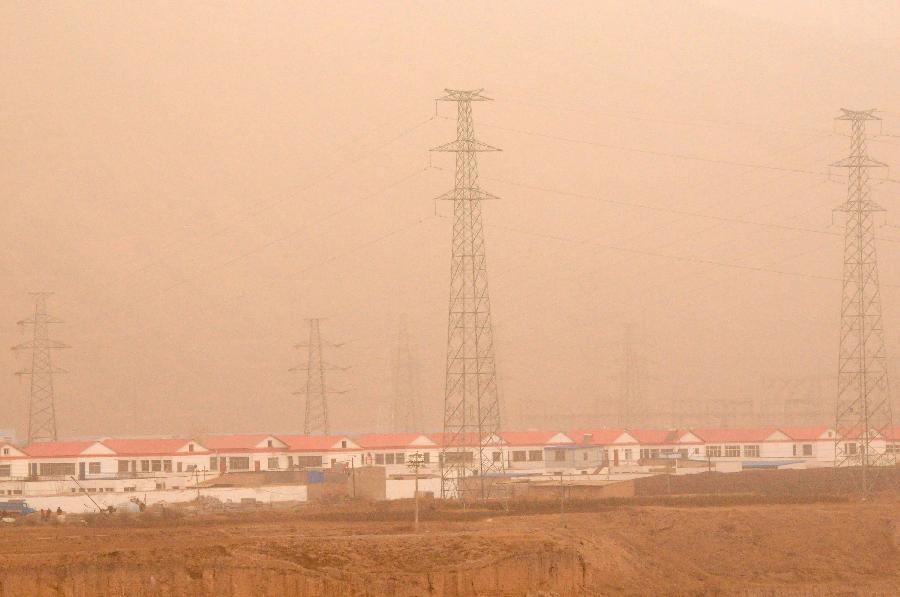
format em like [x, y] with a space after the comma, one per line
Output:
[398, 489]
[81, 503]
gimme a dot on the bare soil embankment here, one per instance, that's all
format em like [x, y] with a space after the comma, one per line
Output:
[688, 545]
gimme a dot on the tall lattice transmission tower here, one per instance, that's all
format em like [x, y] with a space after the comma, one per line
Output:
[316, 391]
[405, 408]
[471, 405]
[863, 410]
[631, 395]
[41, 405]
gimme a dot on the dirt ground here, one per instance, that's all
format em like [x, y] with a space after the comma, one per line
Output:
[689, 545]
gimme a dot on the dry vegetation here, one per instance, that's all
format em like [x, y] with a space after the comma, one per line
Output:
[765, 542]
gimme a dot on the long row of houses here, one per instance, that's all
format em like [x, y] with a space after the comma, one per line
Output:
[115, 464]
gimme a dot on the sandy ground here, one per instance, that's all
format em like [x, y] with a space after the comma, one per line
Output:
[806, 548]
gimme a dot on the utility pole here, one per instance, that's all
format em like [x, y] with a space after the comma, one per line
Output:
[315, 419]
[471, 404]
[41, 405]
[863, 408]
[415, 462]
[405, 411]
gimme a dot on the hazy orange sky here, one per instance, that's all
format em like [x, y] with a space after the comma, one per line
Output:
[193, 180]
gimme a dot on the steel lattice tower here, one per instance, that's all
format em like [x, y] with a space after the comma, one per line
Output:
[405, 411]
[41, 406]
[471, 405]
[631, 396]
[863, 410]
[315, 419]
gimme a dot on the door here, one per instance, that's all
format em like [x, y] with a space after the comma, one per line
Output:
[81, 470]
[615, 458]
[256, 465]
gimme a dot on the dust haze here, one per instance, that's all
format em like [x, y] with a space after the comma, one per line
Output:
[193, 181]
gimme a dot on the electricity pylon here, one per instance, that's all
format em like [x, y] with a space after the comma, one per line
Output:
[631, 396]
[471, 405]
[41, 405]
[315, 419]
[863, 409]
[405, 411]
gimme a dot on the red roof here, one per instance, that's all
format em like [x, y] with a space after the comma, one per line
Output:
[806, 433]
[315, 443]
[387, 440]
[467, 439]
[657, 436]
[148, 446]
[737, 434]
[529, 438]
[599, 437]
[54, 449]
[235, 442]
[891, 433]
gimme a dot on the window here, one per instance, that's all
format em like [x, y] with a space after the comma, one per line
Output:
[626, 454]
[794, 453]
[213, 463]
[389, 459]
[58, 469]
[850, 449]
[145, 466]
[559, 455]
[156, 465]
[239, 463]
[167, 466]
[190, 447]
[401, 458]
[535, 455]
[645, 453]
[518, 456]
[696, 451]
[732, 451]
[123, 466]
[5, 470]
[268, 443]
[379, 459]
[426, 457]
[179, 467]
[94, 468]
[713, 451]
[191, 468]
[273, 463]
[751, 451]
[309, 461]
[6, 451]
[343, 443]
[455, 457]
[807, 449]
[584, 455]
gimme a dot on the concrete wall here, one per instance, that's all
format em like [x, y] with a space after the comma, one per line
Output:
[399, 489]
[80, 503]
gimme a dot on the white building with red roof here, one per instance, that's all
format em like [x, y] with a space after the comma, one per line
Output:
[525, 450]
[665, 443]
[242, 452]
[394, 449]
[619, 447]
[747, 444]
[812, 443]
[315, 451]
[13, 462]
